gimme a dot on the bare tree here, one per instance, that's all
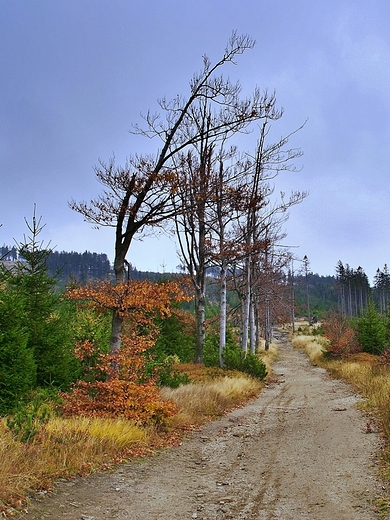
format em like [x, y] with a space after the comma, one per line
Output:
[205, 209]
[193, 230]
[137, 197]
[306, 266]
[216, 198]
[227, 206]
[259, 220]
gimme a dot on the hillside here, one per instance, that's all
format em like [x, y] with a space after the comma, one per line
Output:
[72, 266]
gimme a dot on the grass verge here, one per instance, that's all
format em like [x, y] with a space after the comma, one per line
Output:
[368, 376]
[314, 346]
[200, 402]
[63, 448]
[67, 447]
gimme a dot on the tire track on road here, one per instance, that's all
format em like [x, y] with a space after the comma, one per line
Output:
[287, 455]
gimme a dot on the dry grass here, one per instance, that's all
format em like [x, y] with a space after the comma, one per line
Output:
[64, 447]
[74, 446]
[199, 373]
[269, 356]
[104, 433]
[314, 346]
[202, 401]
[369, 378]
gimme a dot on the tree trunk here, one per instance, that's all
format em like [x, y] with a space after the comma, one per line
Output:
[245, 309]
[115, 340]
[223, 316]
[200, 329]
[252, 329]
[267, 324]
[117, 320]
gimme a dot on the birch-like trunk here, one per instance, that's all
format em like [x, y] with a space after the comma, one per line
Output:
[252, 329]
[223, 316]
[200, 328]
[245, 309]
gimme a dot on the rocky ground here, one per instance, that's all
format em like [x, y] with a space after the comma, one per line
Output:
[302, 450]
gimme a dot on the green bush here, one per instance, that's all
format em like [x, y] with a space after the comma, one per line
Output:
[318, 331]
[253, 366]
[28, 418]
[371, 330]
[233, 357]
[164, 371]
[211, 350]
[176, 338]
[17, 365]
[236, 359]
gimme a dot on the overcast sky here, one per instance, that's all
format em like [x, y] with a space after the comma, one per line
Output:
[76, 74]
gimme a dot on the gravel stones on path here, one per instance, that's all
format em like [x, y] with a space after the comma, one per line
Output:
[301, 450]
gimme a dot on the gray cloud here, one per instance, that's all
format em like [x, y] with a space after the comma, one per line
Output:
[76, 75]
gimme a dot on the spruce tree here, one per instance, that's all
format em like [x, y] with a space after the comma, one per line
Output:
[372, 334]
[46, 324]
[17, 366]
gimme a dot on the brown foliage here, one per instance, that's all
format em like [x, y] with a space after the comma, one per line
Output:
[139, 300]
[140, 403]
[118, 387]
[342, 337]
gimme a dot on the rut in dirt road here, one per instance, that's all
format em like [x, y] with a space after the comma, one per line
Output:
[300, 451]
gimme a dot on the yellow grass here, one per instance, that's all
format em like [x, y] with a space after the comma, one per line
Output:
[269, 356]
[108, 434]
[314, 346]
[199, 401]
[64, 447]
[368, 376]
[72, 446]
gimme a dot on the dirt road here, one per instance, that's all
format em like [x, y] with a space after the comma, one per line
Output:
[300, 451]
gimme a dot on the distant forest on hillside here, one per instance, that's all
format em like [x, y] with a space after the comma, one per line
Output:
[347, 291]
[79, 267]
[84, 267]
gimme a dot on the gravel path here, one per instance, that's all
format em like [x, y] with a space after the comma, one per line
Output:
[300, 451]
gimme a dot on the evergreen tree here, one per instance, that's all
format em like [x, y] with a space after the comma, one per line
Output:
[372, 333]
[45, 323]
[382, 288]
[17, 366]
[354, 289]
[341, 284]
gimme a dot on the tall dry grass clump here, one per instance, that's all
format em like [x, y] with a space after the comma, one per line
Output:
[268, 357]
[96, 434]
[198, 402]
[64, 447]
[314, 346]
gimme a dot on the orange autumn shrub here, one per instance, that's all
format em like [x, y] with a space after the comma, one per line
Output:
[120, 386]
[116, 398]
[341, 336]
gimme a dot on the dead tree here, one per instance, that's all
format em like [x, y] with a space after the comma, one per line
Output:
[138, 197]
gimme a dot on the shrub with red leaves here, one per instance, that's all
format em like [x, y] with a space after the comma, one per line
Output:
[342, 337]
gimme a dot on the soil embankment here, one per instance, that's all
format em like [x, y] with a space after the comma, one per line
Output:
[300, 451]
